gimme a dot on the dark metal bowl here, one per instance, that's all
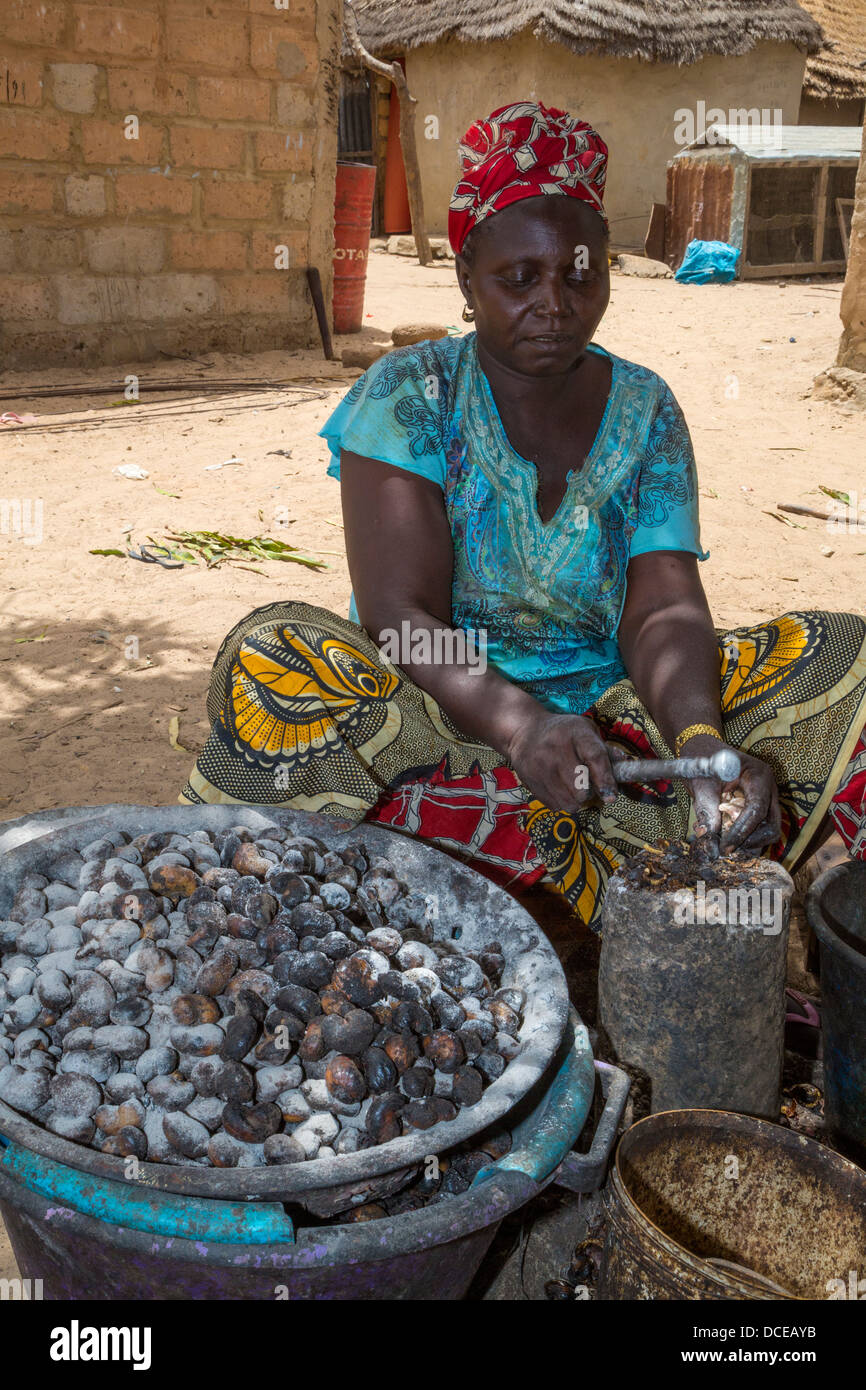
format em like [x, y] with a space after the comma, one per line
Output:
[467, 903]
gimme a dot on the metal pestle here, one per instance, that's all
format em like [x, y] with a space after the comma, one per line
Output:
[724, 764]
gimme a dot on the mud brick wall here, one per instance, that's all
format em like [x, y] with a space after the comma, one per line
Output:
[166, 175]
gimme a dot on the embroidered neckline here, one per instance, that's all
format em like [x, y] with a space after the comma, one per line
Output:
[581, 484]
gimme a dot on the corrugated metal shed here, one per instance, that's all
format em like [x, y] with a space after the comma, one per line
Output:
[782, 194]
[766, 141]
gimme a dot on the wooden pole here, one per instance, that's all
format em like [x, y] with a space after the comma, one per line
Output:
[395, 74]
[314, 280]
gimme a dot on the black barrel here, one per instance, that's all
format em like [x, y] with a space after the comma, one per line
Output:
[836, 908]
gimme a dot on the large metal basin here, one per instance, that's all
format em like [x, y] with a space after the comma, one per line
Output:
[83, 1244]
[468, 905]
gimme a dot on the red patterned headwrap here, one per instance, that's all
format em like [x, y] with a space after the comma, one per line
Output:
[521, 151]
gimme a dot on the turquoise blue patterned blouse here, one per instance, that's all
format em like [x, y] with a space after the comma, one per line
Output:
[548, 596]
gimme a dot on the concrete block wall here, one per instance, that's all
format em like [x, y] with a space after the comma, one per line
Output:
[166, 175]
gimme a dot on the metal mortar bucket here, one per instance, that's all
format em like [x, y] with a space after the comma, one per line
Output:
[694, 1003]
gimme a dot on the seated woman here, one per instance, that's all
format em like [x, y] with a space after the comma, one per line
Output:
[524, 484]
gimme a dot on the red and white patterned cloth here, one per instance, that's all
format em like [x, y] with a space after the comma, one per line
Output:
[522, 151]
[482, 818]
[848, 807]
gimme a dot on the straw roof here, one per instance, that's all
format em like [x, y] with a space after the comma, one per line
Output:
[670, 31]
[838, 71]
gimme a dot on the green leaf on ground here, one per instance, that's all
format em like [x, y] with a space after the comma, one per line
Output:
[834, 492]
[215, 549]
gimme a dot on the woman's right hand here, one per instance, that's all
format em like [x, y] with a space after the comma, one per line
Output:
[563, 761]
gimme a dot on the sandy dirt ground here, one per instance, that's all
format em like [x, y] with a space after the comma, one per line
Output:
[97, 654]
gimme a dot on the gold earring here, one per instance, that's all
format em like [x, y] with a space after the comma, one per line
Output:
[468, 314]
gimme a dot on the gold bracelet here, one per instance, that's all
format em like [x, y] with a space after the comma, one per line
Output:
[691, 731]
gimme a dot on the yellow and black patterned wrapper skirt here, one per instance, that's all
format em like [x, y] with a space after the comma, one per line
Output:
[307, 712]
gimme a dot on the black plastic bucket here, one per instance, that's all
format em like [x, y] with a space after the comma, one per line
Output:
[836, 908]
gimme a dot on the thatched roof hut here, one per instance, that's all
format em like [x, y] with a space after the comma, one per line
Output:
[635, 69]
[837, 72]
[666, 31]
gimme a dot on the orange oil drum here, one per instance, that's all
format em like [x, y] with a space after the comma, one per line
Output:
[353, 213]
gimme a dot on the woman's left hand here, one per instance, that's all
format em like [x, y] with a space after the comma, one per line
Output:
[759, 822]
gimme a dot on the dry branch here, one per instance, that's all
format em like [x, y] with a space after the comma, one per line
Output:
[395, 74]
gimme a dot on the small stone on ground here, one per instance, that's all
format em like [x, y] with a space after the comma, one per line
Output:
[643, 268]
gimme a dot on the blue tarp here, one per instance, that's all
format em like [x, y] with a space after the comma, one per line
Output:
[708, 262]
